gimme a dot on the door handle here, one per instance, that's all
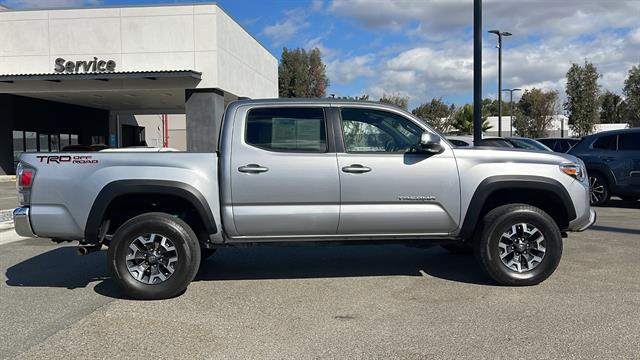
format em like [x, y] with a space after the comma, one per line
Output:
[356, 169]
[253, 169]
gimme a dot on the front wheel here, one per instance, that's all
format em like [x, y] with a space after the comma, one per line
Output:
[598, 189]
[154, 256]
[519, 245]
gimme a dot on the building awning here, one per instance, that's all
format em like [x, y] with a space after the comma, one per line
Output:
[102, 76]
[152, 92]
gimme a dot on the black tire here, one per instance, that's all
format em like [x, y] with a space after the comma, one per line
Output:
[500, 220]
[598, 189]
[629, 198]
[186, 247]
[458, 248]
[206, 253]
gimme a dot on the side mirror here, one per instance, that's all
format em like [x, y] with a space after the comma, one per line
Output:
[430, 143]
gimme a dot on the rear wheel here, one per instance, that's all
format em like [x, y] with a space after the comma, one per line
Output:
[519, 245]
[154, 256]
[598, 189]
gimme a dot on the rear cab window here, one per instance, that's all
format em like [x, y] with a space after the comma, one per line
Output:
[292, 129]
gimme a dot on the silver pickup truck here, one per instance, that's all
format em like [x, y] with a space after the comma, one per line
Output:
[299, 171]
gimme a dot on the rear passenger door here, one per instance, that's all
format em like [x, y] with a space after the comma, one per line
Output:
[386, 186]
[629, 154]
[284, 175]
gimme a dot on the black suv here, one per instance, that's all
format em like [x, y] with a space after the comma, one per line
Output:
[613, 164]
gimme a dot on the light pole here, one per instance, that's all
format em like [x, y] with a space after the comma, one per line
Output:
[511, 108]
[500, 35]
[477, 72]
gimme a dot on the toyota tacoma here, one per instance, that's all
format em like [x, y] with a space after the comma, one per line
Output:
[306, 171]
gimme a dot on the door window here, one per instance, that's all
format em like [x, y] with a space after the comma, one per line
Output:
[367, 130]
[606, 143]
[287, 129]
[629, 141]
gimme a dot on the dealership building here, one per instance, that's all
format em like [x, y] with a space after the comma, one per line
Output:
[123, 76]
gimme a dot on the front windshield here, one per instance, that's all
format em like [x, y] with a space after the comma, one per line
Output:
[530, 144]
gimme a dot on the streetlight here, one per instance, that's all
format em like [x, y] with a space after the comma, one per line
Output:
[511, 108]
[477, 72]
[499, 46]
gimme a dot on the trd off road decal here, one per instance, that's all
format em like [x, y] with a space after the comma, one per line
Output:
[64, 159]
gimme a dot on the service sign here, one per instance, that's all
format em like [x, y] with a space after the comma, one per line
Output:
[84, 66]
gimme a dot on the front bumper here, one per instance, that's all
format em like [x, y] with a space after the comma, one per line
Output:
[583, 223]
[22, 223]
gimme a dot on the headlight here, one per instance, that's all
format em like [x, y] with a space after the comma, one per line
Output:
[574, 170]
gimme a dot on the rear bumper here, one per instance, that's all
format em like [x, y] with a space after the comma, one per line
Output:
[583, 223]
[22, 223]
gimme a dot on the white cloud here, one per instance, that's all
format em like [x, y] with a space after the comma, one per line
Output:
[447, 70]
[344, 71]
[282, 31]
[548, 37]
[439, 18]
[634, 36]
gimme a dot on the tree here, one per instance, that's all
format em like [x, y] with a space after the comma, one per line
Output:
[582, 98]
[463, 120]
[364, 97]
[491, 107]
[302, 74]
[632, 93]
[534, 112]
[612, 108]
[437, 114]
[396, 99]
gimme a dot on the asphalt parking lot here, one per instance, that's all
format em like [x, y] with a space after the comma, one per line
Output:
[331, 302]
[8, 195]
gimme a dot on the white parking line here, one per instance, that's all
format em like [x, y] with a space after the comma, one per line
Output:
[7, 234]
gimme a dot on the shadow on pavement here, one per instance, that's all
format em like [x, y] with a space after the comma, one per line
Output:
[614, 203]
[281, 262]
[62, 268]
[615, 229]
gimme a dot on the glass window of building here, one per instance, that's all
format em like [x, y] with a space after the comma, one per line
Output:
[31, 141]
[54, 140]
[18, 145]
[64, 140]
[44, 142]
[74, 139]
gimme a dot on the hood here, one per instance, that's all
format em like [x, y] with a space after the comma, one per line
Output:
[516, 155]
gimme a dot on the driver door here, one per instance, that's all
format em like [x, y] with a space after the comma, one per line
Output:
[386, 186]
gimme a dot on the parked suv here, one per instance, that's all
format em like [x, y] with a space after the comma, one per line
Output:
[613, 164]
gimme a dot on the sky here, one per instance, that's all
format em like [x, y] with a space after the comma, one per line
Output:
[424, 48]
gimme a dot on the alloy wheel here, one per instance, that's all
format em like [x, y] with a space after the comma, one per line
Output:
[597, 190]
[522, 247]
[152, 258]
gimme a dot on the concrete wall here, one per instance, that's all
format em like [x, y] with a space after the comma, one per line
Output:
[154, 130]
[179, 37]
